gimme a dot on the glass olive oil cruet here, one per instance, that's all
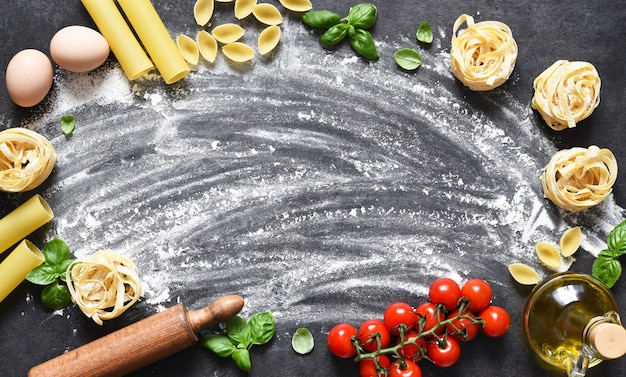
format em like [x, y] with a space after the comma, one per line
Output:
[571, 322]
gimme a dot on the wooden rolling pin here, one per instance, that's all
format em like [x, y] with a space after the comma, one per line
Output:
[141, 343]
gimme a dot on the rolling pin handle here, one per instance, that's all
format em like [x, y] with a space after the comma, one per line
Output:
[219, 310]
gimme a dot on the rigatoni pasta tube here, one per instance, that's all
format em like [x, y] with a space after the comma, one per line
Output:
[23, 220]
[121, 39]
[156, 39]
[17, 265]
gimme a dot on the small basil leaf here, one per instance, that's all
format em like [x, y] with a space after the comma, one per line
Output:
[261, 327]
[607, 270]
[42, 275]
[363, 44]
[321, 19]
[424, 33]
[62, 268]
[56, 251]
[408, 59]
[362, 16]
[334, 35]
[55, 296]
[242, 359]
[302, 341]
[616, 240]
[220, 344]
[238, 331]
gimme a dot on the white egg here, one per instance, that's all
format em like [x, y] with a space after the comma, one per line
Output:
[79, 48]
[29, 77]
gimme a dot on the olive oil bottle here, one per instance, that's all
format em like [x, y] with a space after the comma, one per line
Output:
[571, 322]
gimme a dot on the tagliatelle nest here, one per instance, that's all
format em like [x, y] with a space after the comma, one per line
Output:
[104, 285]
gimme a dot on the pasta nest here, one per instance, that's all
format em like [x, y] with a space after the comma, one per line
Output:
[579, 178]
[103, 285]
[566, 93]
[483, 55]
[26, 159]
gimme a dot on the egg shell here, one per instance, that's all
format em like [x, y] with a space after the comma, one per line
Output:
[29, 77]
[79, 48]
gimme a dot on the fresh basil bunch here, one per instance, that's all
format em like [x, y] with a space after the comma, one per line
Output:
[51, 273]
[240, 337]
[355, 26]
[607, 267]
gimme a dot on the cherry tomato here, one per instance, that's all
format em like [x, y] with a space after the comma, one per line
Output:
[410, 369]
[427, 312]
[399, 313]
[369, 331]
[479, 294]
[444, 354]
[463, 329]
[497, 321]
[412, 351]
[340, 340]
[367, 367]
[445, 291]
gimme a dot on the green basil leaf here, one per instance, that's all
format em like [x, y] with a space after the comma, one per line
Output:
[238, 331]
[56, 296]
[302, 341]
[56, 252]
[408, 59]
[321, 19]
[362, 16]
[220, 344]
[242, 359]
[607, 270]
[43, 275]
[608, 253]
[616, 240]
[334, 35]
[424, 33]
[363, 44]
[261, 327]
[62, 268]
[67, 124]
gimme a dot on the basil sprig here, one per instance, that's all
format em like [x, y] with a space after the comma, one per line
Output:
[607, 267]
[240, 336]
[355, 26]
[51, 273]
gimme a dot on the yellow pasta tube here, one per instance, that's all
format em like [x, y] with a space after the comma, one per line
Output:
[23, 220]
[121, 39]
[156, 39]
[17, 265]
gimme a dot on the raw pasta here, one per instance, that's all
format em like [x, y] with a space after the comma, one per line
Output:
[207, 45]
[203, 11]
[579, 178]
[26, 159]
[482, 56]
[104, 285]
[188, 49]
[297, 5]
[228, 33]
[238, 52]
[268, 39]
[566, 93]
[243, 8]
[267, 14]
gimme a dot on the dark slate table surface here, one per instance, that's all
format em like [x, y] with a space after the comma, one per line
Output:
[318, 185]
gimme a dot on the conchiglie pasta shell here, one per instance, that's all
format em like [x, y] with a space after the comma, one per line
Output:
[238, 52]
[268, 39]
[548, 255]
[188, 49]
[297, 5]
[228, 33]
[570, 241]
[203, 11]
[267, 14]
[243, 8]
[207, 45]
[523, 274]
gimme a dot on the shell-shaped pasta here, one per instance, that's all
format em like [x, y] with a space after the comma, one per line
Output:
[207, 45]
[228, 33]
[243, 8]
[238, 52]
[570, 241]
[188, 49]
[268, 39]
[203, 11]
[297, 5]
[549, 255]
[523, 274]
[267, 14]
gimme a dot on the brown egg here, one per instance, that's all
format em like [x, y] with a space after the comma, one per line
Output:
[29, 77]
[79, 48]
